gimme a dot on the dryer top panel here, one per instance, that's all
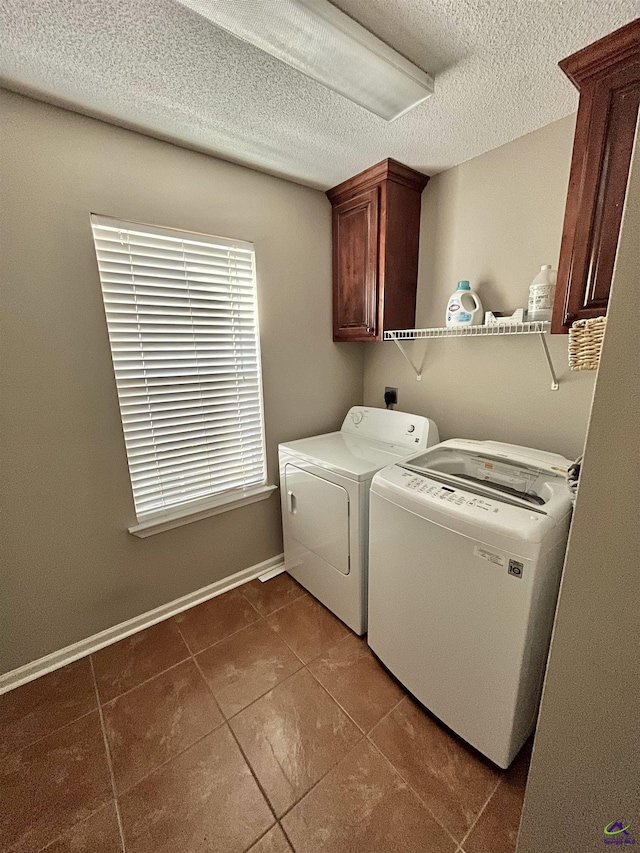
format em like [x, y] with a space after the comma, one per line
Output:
[412, 432]
[370, 439]
[347, 455]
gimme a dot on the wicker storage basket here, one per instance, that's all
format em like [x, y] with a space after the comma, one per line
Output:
[585, 343]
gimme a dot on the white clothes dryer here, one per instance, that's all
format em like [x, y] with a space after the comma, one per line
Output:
[324, 485]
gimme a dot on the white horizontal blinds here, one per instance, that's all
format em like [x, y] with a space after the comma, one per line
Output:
[182, 317]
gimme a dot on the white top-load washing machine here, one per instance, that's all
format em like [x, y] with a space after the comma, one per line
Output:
[324, 483]
[466, 550]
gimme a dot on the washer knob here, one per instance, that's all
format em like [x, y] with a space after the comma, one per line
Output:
[356, 417]
[411, 428]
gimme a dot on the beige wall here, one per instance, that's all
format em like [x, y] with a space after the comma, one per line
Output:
[69, 568]
[585, 771]
[493, 220]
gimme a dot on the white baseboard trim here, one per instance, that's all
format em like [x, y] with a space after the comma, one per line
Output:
[272, 573]
[56, 660]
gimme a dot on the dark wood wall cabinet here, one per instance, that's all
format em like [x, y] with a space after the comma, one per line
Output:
[607, 75]
[376, 231]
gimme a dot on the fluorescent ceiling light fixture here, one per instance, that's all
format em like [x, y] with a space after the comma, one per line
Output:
[318, 39]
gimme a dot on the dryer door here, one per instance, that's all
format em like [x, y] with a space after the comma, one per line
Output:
[318, 516]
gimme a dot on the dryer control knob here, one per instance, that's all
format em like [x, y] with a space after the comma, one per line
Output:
[411, 428]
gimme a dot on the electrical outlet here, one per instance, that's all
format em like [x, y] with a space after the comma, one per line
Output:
[390, 397]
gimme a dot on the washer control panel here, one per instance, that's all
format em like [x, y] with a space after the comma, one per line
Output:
[425, 486]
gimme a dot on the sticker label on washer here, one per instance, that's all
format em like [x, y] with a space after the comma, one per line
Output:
[489, 555]
[516, 568]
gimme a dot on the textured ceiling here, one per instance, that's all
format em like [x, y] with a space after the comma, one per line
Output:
[155, 66]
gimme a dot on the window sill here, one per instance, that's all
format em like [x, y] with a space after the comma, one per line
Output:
[168, 519]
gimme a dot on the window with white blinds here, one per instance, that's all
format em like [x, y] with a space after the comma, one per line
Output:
[181, 310]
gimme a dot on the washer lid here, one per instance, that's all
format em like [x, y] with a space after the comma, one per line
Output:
[348, 455]
[505, 471]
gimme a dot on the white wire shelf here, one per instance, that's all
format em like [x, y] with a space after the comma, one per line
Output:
[538, 327]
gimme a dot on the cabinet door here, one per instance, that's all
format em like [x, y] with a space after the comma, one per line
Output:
[355, 268]
[603, 146]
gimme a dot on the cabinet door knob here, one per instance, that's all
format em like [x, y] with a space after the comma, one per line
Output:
[569, 318]
[369, 330]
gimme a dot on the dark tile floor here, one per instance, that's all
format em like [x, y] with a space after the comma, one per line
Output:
[253, 722]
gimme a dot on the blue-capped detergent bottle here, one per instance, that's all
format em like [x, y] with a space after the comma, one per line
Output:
[464, 308]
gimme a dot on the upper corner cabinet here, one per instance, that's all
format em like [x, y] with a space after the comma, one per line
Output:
[607, 75]
[376, 231]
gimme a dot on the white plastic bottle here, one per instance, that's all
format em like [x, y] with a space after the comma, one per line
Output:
[464, 308]
[541, 294]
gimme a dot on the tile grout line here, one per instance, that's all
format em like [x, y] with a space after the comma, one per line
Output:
[233, 734]
[201, 673]
[303, 667]
[478, 816]
[239, 631]
[259, 839]
[316, 783]
[335, 645]
[286, 834]
[142, 683]
[366, 736]
[365, 732]
[252, 606]
[171, 758]
[304, 663]
[225, 720]
[108, 754]
[191, 659]
[290, 647]
[192, 653]
[289, 604]
[481, 812]
[62, 834]
[363, 736]
[253, 701]
[410, 787]
[262, 618]
[384, 717]
[331, 696]
[48, 734]
[254, 775]
[277, 610]
[393, 767]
